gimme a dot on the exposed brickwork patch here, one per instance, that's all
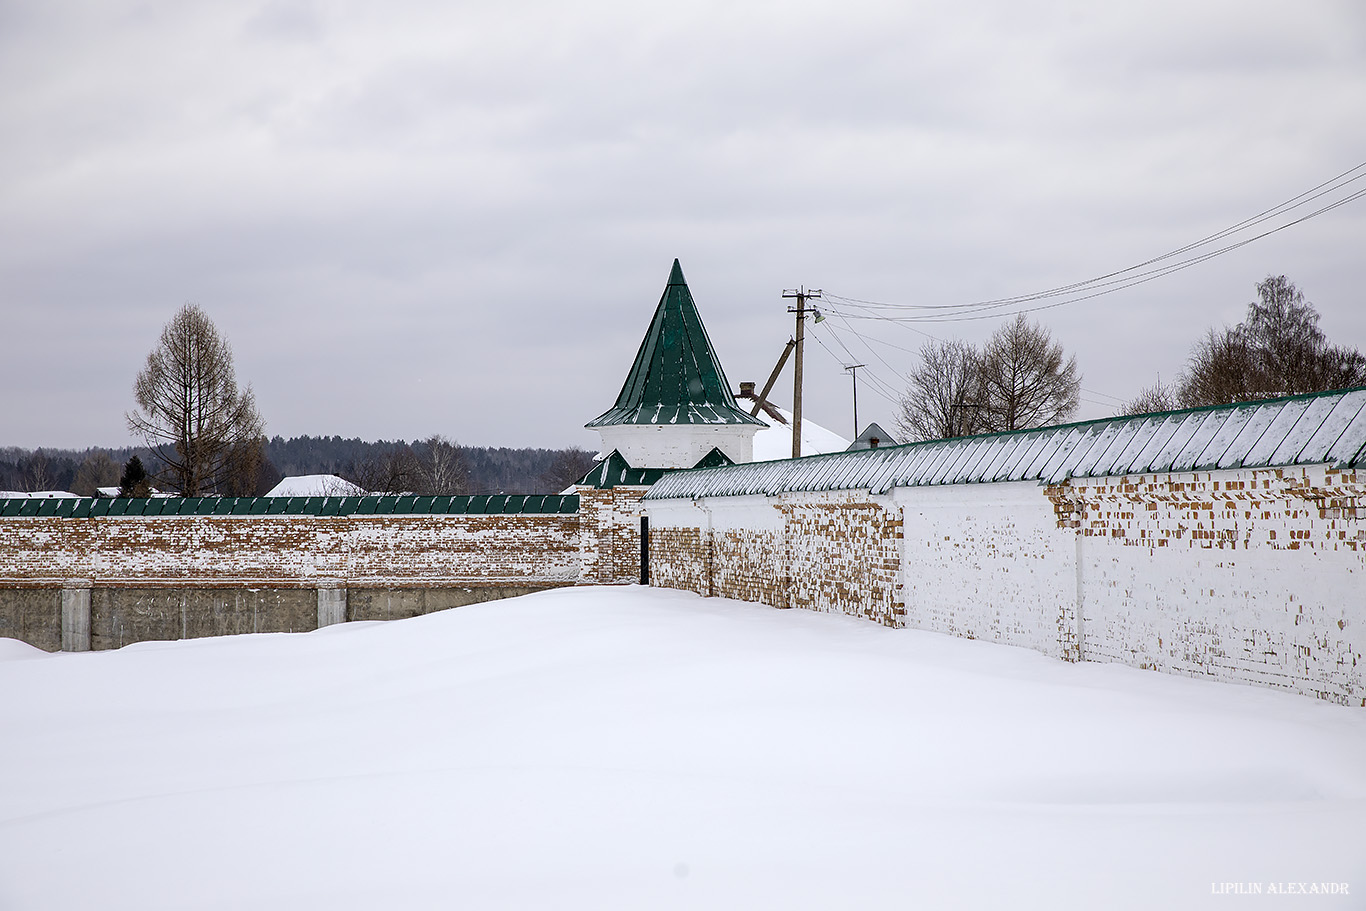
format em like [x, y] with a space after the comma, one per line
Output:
[829, 551]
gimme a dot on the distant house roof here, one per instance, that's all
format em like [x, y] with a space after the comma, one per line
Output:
[1327, 427]
[316, 485]
[872, 437]
[676, 377]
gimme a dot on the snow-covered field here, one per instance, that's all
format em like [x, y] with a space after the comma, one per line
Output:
[642, 749]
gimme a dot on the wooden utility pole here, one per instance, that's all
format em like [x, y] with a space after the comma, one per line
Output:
[802, 296]
[773, 377]
[853, 371]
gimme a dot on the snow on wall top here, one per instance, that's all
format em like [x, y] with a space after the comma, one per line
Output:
[1304, 430]
[484, 504]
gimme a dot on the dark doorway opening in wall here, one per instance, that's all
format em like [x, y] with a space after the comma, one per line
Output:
[644, 550]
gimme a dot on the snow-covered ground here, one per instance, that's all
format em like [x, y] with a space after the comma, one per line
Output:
[643, 749]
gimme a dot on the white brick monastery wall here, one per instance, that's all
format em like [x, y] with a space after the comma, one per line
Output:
[1255, 576]
[1252, 576]
[290, 549]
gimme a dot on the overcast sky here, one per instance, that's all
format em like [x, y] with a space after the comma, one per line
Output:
[414, 218]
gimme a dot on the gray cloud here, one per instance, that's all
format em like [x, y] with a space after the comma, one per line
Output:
[457, 218]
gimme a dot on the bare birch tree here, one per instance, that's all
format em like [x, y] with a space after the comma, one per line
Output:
[189, 408]
[393, 469]
[443, 471]
[1278, 349]
[37, 472]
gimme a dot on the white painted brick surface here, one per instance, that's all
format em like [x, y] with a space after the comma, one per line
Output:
[677, 445]
[988, 561]
[1250, 576]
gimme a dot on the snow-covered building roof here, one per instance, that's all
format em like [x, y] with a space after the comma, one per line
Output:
[35, 494]
[775, 440]
[316, 485]
[1324, 428]
[116, 490]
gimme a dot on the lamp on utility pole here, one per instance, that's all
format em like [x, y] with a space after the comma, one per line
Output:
[853, 371]
[802, 296]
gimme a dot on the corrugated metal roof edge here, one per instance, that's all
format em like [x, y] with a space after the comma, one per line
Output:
[497, 504]
[1091, 423]
[1057, 428]
[615, 417]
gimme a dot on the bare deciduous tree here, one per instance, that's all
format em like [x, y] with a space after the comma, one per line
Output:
[189, 409]
[37, 472]
[98, 470]
[1027, 381]
[246, 472]
[568, 467]
[442, 468]
[1157, 397]
[432, 467]
[1278, 349]
[945, 396]
[1220, 370]
[395, 470]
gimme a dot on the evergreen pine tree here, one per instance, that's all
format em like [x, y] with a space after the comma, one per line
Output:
[134, 482]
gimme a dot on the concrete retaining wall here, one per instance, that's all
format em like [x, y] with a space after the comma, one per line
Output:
[111, 617]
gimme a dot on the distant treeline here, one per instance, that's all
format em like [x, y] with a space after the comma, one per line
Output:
[486, 469]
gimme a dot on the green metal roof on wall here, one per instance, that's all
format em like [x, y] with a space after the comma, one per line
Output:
[676, 377]
[615, 471]
[500, 504]
[1326, 427]
[714, 459]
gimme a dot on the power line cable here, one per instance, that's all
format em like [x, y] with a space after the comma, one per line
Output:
[877, 386]
[1119, 279]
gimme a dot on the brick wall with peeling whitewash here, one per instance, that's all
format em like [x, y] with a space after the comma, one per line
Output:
[291, 550]
[609, 550]
[1255, 576]
[844, 554]
[838, 551]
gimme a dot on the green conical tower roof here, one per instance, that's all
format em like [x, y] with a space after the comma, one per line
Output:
[676, 378]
